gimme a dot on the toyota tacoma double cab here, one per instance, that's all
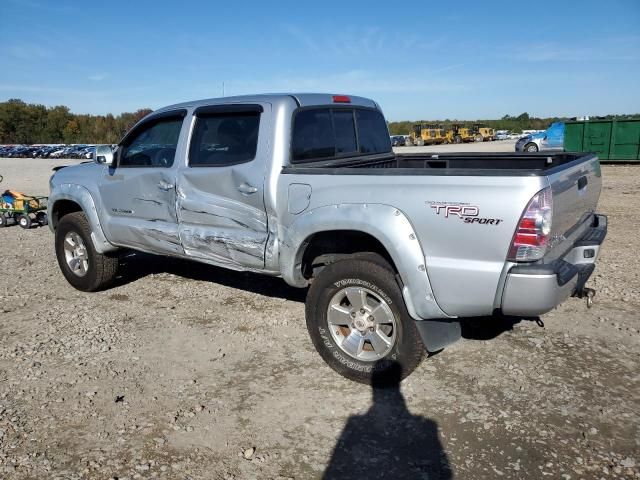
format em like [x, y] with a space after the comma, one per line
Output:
[394, 249]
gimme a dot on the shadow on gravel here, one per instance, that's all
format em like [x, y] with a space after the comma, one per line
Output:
[139, 265]
[487, 328]
[388, 441]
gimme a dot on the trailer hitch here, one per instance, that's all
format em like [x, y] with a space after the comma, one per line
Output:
[588, 293]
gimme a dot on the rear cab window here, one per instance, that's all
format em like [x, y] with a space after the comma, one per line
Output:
[324, 133]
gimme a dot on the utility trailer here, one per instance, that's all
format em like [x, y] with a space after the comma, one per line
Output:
[25, 210]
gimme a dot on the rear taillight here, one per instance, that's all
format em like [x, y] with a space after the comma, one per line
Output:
[531, 239]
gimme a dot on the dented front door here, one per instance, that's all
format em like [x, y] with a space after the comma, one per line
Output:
[220, 202]
[138, 195]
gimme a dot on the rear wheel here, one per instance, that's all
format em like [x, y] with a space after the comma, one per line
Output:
[479, 138]
[359, 324]
[531, 147]
[419, 142]
[457, 139]
[80, 263]
[3, 220]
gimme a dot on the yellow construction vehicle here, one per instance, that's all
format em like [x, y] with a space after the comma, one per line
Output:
[459, 134]
[482, 133]
[426, 134]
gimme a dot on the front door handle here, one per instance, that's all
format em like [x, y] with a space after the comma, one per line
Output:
[247, 189]
[164, 186]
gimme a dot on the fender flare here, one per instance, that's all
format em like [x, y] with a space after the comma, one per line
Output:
[81, 196]
[389, 225]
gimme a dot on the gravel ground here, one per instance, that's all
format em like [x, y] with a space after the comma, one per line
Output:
[188, 371]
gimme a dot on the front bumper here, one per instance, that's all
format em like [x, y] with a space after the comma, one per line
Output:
[534, 289]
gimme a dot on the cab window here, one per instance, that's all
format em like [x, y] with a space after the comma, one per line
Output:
[153, 145]
[227, 138]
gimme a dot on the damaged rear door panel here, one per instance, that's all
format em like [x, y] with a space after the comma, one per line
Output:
[220, 202]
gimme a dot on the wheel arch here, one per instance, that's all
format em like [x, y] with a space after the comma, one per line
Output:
[377, 228]
[61, 208]
[70, 198]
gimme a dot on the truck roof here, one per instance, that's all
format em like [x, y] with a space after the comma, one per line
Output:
[302, 99]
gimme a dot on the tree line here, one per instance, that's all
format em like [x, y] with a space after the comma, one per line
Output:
[28, 123]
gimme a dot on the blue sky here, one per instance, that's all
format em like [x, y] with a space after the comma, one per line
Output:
[418, 60]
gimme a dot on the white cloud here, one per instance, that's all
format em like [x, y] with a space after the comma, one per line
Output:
[97, 77]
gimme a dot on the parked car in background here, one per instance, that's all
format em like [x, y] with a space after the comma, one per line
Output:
[47, 151]
[398, 141]
[549, 140]
[502, 134]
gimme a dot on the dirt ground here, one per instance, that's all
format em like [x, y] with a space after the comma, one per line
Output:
[188, 371]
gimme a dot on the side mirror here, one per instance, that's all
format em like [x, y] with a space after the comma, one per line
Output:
[104, 155]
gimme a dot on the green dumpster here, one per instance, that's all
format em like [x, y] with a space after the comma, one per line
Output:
[612, 140]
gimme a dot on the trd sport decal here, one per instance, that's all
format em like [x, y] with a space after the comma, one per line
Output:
[464, 211]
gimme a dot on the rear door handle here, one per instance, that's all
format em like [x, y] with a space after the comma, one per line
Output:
[582, 182]
[247, 189]
[164, 186]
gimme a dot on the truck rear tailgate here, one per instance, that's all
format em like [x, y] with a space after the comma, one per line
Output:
[576, 191]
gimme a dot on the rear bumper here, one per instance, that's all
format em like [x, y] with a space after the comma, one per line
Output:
[534, 289]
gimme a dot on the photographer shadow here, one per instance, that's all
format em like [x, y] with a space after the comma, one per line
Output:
[388, 442]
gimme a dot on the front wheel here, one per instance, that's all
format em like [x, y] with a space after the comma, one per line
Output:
[359, 324]
[80, 263]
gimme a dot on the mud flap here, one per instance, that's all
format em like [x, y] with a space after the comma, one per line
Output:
[437, 334]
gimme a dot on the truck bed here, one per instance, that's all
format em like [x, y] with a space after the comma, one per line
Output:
[497, 164]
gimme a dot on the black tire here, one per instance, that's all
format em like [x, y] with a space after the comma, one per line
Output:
[407, 351]
[24, 221]
[3, 220]
[531, 147]
[42, 219]
[102, 269]
[457, 139]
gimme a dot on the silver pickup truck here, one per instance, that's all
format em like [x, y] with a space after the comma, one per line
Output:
[394, 249]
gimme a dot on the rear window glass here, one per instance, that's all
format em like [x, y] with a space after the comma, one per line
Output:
[224, 139]
[313, 135]
[373, 134]
[325, 133]
[345, 131]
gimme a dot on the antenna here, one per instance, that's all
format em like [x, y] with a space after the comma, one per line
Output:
[223, 89]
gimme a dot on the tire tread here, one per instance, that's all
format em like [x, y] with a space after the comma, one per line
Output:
[105, 266]
[364, 267]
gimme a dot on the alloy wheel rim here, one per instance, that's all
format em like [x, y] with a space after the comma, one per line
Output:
[362, 324]
[76, 255]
